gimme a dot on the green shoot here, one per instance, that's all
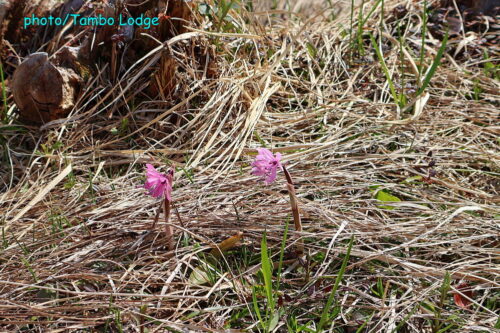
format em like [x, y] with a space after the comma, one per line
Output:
[386, 71]
[267, 272]
[360, 29]
[326, 311]
[445, 288]
[30, 269]
[350, 31]
[282, 252]
[435, 64]
[422, 47]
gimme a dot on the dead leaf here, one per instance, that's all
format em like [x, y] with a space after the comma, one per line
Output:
[227, 244]
[460, 300]
[200, 274]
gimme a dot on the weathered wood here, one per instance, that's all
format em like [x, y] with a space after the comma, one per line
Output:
[43, 91]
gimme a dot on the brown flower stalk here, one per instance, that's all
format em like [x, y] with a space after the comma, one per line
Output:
[295, 208]
[169, 231]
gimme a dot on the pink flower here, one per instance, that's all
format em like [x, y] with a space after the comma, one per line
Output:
[266, 165]
[159, 184]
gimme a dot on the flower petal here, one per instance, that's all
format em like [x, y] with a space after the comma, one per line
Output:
[266, 153]
[158, 191]
[271, 176]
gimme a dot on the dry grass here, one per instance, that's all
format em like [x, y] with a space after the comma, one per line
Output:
[78, 250]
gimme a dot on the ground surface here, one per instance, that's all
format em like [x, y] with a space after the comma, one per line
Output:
[411, 174]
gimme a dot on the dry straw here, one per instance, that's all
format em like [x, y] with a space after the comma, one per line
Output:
[77, 250]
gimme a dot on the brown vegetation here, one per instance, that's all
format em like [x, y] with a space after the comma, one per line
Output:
[416, 181]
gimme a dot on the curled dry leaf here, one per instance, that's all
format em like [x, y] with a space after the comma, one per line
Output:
[227, 244]
[202, 273]
[43, 91]
[460, 300]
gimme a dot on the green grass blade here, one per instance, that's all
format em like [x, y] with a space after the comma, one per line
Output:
[360, 329]
[385, 69]
[405, 319]
[446, 328]
[370, 13]
[256, 306]
[422, 49]
[350, 31]
[267, 272]
[326, 310]
[282, 253]
[445, 288]
[434, 66]
[360, 29]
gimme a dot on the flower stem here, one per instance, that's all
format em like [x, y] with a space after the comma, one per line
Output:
[169, 230]
[157, 216]
[295, 208]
